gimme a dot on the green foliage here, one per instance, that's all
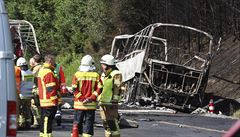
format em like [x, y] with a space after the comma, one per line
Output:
[70, 63]
[96, 20]
[69, 26]
[64, 25]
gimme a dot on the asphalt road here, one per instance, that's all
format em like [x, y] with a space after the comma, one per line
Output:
[157, 125]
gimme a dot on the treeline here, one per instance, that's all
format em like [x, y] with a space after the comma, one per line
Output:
[88, 26]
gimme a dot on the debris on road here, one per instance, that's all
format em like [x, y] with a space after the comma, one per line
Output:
[167, 110]
[126, 123]
[199, 111]
[138, 111]
[123, 123]
[217, 115]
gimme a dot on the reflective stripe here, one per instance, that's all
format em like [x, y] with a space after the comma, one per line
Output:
[107, 133]
[86, 74]
[86, 135]
[41, 134]
[48, 102]
[53, 97]
[88, 78]
[85, 106]
[46, 135]
[95, 93]
[78, 95]
[45, 125]
[51, 84]
[44, 90]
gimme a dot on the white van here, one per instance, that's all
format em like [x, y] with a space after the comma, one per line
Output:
[7, 79]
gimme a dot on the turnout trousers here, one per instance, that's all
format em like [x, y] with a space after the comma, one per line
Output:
[24, 118]
[85, 120]
[47, 116]
[35, 107]
[109, 115]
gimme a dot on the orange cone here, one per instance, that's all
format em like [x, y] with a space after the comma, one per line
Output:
[211, 105]
[75, 130]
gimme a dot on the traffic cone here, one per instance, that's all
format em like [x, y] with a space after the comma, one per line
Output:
[211, 105]
[75, 130]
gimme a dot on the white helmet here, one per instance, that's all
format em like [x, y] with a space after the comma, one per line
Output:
[108, 60]
[87, 60]
[21, 62]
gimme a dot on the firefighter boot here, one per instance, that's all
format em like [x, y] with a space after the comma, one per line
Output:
[58, 117]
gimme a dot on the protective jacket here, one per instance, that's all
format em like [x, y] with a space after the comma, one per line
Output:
[27, 82]
[86, 85]
[35, 69]
[111, 88]
[59, 74]
[18, 78]
[47, 86]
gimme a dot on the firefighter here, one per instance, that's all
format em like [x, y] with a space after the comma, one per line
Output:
[35, 63]
[25, 94]
[59, 74]
[86, 86]
[47, 86]
[108, 100]
[18, 82]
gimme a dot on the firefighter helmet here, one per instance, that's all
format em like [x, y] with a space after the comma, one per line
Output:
[87, 60]
[21, 62]
[108, 60]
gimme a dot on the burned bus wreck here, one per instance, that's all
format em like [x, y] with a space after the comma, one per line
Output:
[165, 65]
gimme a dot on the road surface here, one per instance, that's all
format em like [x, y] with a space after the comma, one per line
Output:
[157, 125]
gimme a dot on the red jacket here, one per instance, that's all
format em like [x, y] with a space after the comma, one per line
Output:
[86, 85]
[59, 74]
[47, 86]
[18, 78]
